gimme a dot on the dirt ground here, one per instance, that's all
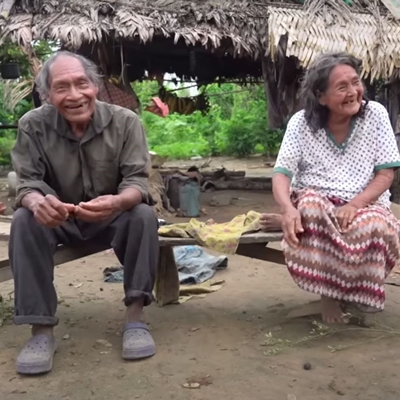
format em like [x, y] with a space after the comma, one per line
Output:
[216, 341]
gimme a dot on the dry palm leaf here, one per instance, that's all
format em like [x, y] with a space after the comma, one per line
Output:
[15, 92]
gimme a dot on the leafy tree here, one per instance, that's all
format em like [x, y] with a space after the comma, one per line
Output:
[235, 125]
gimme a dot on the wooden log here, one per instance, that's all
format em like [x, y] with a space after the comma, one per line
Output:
[242, 184]
[205, 174]
[253, 178]
[226, 174]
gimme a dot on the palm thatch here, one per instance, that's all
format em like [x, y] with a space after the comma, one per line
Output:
[75, 22]
[241, 28]
[371, 35]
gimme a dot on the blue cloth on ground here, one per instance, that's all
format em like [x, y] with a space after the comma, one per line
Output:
[194, 265]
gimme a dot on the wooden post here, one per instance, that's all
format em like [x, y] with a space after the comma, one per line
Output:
[167, 280]
[395, 188]
[394, 110]
[275, 117]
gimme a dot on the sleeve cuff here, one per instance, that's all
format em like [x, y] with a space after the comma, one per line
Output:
[284, 171]
[146, 196]
[38, 187]
[395, 164]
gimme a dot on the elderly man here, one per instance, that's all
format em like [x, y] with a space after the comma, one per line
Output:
[83, 167]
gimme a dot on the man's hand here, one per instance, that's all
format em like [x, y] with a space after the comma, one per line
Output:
[98, 209]
[291, 226]
[51, 212]
[345, 215]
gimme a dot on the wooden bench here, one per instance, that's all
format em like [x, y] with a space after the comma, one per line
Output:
[167, 282]
[251, 245]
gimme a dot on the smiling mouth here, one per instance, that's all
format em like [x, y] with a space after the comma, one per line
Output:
[349, 102]
[76, 107]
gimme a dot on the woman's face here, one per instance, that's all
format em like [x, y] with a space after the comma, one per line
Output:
[345, 92]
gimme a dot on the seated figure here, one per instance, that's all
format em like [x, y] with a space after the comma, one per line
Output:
[331, 180]
[83, 167]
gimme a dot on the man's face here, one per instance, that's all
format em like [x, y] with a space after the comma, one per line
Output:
[71, 91]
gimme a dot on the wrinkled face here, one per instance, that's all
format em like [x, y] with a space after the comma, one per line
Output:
[71, 91]
[345, 92]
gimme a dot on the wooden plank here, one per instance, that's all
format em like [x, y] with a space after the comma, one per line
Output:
[251, 245]
[4, 230]
[5, 271]
[261, 252]
[64, 254]
[258, 237]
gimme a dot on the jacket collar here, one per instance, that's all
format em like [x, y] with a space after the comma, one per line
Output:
[101, 118]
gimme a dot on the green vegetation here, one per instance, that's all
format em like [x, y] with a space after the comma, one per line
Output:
[7, 136]
[11, 52]
[236, 124]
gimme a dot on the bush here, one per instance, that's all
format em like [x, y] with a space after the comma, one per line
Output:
[236, 125]
[6, 144]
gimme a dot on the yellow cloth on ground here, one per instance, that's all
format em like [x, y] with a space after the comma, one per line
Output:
[223, 238]
[199, 290]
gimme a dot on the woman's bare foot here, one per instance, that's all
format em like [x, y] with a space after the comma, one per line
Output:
[332, 312]
[271, 222]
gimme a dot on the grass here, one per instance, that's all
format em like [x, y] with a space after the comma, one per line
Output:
[6, 310]
[320, 330]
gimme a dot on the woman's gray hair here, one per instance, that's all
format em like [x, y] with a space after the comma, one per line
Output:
[316, 82]
[43, 77]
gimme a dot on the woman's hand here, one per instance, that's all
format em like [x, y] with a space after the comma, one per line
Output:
[345, 215]
[291, 226]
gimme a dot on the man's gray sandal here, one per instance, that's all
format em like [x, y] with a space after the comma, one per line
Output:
[137, 342]
[36, 357]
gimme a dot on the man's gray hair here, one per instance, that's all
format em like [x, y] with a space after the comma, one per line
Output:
[316, 82]
[43, 77]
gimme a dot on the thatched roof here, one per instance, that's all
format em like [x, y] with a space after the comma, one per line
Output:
[207, 22]
[241, 28]
[372, 35]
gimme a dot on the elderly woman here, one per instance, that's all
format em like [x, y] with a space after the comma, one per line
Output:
[332, 179]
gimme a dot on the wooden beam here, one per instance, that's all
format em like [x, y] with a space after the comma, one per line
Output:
[258, 237]
[261, 252]
[64, 254]
[263, 184]
[5, 271]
